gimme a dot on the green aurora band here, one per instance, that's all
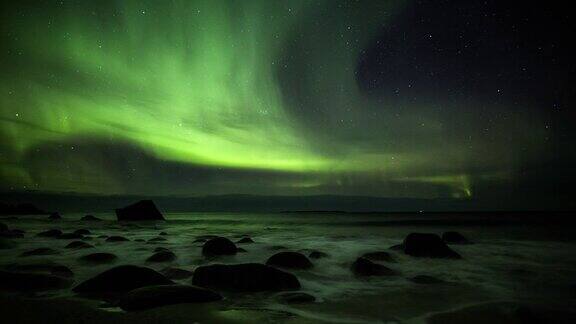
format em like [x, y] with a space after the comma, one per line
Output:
[203, 83]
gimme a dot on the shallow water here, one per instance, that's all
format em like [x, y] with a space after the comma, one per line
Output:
[506, 262]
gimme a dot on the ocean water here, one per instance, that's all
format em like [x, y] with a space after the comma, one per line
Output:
[516, 261]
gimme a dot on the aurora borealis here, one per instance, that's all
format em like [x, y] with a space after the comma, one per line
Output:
[381, 98]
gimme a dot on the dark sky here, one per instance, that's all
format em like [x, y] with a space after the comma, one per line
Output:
[425, 99]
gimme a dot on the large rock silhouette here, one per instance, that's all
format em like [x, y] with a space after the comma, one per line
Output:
[122, 279]
[428, 245]
[140, 211]
[244, 277]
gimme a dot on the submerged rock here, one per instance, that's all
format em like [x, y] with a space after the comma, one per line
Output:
[292, 260]
[55, 216]
[16, 281]
[50, 233]
[317, 255]
[428, 245]
[116, 239]
[39, 251]
[244, 277]
[90, 218]
[295, 298]
[100, 257]
[82, 231]
[156, 296]
[61, 271]
[70, 236]
[78, 245]
[162, 256]
[425, 280]
[219, 246]
[363, 267]
[379, 256]
[245, 240]
[454, 238]
[140, 211]
[177, 273]
[122, 279]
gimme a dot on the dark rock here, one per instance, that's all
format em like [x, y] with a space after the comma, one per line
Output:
[295, 298]
[39, 251]
[139, 240]
[177, 273]
[379, 256]
[363, 268]
[245, 240]
[292, 260]
[122, 279]
[244, 277]
[82, 231]
[15, 281]
[428, 245]
[454, 238]
[163, 233]
[90, 218]
[21, 209]
[6, 244]
[277, 247]
[397, 247]
[50, 233]
[156, 296]
[55, 216]
[162, 256]
[117, 239]
[161, 249]
[102, 236]
[425, 280]
[70, 236]
[100, 257]
[157, 239]
[78, 245]
[61, 271]
[218, 246]
[142, 210]
[317, 255]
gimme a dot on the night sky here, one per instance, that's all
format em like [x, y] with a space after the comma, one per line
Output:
[423, 99]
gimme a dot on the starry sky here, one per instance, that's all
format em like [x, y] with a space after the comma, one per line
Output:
[422, 99]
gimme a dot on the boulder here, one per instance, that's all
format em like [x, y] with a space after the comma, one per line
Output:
[78, 245]
[218, 246]
[428, 245]
[82, 231]
[70, 236]
[16, 281]
[454, 238]
[122, 279]
[90, 218]
[244, 277]
[364, 268]
[379, 256]
[425, 280]
[177, 273]
[162, 295]
[39, 251]
[162, 256]
[6, 244]
[140, 211]
[245, 240]
[295, 298]
[98, 258]
[61, 271]
[317, 255]
[292, 260]
[163, 233]
[55, 216]
[116, 239]
[50, 233]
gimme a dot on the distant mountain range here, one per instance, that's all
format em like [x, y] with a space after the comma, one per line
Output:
[70, 202]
